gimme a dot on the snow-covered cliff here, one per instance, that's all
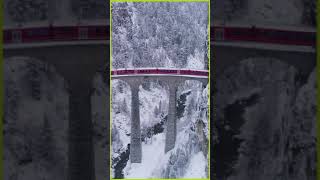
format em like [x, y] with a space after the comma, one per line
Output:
[35, 121]
[265, 126]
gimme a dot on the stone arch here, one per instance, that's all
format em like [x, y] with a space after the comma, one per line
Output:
[29, 84]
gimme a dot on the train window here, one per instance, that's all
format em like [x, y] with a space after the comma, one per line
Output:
[101, 30]
[309, 36]
[281, 35]
[238, 32]
[38, 32]
[83, 33]
[219, 34]
[268, 34]
[7, 35]
[16, 36]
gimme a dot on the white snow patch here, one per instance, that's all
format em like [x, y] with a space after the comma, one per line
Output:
[197, 166]
[152, 155]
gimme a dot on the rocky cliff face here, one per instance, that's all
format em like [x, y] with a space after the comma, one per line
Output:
[192, 140]
[265, 122]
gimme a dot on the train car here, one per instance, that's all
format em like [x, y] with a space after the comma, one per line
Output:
[193, 72]
[203, 73]
[167, 71]
[184, 72]
[124, 71]
[65, 33]
[36, 34]
[7, 36]
[199, 73]
[147, 71]
[93, 32]
[266, 35]
[98, 32]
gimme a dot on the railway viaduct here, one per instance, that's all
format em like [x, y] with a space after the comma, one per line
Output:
[172, 82]
[78, 62]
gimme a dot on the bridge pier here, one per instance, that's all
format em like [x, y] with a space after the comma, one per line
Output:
[78, 66]
[81, 154]
[172, 118]
[171, 124]
[135, 146]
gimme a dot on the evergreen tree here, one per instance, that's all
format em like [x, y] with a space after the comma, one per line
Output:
[309, 12]
[46, 142]
[120, 86]
[154, 34]
[156, 111]
[35, 80]
[124, 106]
[160, 107]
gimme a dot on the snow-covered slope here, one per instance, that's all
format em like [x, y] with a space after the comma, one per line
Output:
[265, 126]
[297, 13]
[192, 127]
[35, 142]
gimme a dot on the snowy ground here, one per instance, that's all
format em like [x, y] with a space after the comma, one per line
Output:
[154, 160]
[186, 160]
[152, 155]
[197, 166]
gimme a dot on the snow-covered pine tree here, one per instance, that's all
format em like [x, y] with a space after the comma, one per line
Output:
[12, 98]
[124, 107]
[35, 80]
[309, 12]
[146, 85]
[160, 106]
[156, 111]
[190, 107]
[120, 86]
[45, 145]
[22, 11]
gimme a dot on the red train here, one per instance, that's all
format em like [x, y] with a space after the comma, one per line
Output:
[218, 33]
[265, 35]
[59, 33]
[160, 71]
